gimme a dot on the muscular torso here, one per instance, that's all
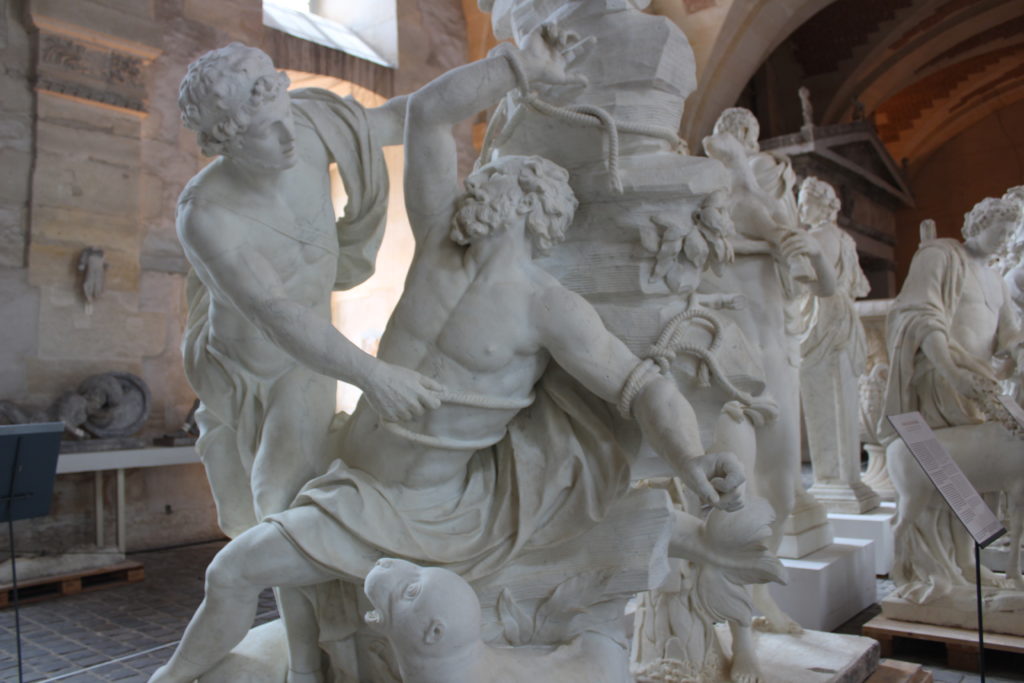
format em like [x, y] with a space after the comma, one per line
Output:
[976, 320]
[286, 228]
[470, 329]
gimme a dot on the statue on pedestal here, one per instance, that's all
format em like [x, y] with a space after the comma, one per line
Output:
[517, 456]
[833, 352]
[952, 319]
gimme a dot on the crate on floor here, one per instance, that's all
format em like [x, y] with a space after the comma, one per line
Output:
[961, 645]
[47, 587]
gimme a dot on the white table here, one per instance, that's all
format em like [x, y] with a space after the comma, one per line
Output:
[99, 462]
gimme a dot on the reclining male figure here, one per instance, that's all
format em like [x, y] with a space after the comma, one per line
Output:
[478, 317]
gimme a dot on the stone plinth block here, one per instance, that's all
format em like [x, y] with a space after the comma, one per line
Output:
[828, 587]
[811, 657]
[876, 526]
[1004, 610]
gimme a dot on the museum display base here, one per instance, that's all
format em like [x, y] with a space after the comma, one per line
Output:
[1003, 610]
[810, 656]
[806, 531]
[876, 526]
[855, 499]
[828, 587]
[997, 556]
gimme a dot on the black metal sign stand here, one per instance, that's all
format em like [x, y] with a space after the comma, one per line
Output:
[28, 466]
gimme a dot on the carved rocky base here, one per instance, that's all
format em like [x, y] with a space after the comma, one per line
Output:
[877, 475]
[1004, 610]
[812, 656]
[852, 498]
[806, 530]
[261, 657]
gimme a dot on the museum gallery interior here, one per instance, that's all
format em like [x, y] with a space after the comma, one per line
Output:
[549, 341]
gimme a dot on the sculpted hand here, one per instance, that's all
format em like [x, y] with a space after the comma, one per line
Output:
[715, 478]
[964, 381]
[798, 244]
[399, 394]
[549, 53]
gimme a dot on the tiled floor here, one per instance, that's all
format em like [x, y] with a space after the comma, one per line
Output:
[124, 633]
[116, 634]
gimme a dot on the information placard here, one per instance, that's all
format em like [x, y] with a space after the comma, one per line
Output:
[958, 492]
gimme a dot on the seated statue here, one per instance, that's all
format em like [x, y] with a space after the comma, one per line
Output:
[951, 320]
[505, 462]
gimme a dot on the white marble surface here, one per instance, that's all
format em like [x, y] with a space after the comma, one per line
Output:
[828, 587]
[813, 657]
[877, 526]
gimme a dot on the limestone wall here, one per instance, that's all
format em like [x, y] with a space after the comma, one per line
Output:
[92, 153]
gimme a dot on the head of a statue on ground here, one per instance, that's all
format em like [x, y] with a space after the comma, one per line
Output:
[988, 225]
[742, 125]
[817, 202]
[426, 612]
[228, 91]
[513, 187]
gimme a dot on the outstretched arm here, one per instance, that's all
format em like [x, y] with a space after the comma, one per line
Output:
[431, 182]
[577, 339]
[388, 120]
[245, 278]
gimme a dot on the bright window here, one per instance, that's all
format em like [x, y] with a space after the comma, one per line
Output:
[365, 28]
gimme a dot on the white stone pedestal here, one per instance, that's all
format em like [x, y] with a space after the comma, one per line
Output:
[876, 526]
[829, 586]
[807, 530]
[811, 657]
[995, 557]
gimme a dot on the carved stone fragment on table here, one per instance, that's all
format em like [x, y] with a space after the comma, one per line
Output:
[111, 405]
[834, 353]
[953, 312]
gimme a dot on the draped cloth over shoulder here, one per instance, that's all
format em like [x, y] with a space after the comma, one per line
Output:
[926, 304]
[342, 126]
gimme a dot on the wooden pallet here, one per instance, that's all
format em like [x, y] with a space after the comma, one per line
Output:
[895, 671]
[34, 590]
[961, 645]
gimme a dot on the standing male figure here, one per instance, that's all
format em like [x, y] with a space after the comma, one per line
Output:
[834, 353]
[258, 227]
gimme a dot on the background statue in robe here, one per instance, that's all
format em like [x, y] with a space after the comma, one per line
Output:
[951, 320]
[834, 354]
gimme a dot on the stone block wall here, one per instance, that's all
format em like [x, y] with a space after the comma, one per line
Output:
[93, 154]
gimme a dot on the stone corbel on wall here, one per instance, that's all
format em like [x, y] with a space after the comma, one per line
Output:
[93, 53]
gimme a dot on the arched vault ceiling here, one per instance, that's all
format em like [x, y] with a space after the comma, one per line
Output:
[925, 68]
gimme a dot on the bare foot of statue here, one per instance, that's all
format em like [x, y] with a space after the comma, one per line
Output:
[774, 620]
[744, 667]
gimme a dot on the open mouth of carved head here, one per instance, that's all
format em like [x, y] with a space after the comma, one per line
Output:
[390, 578]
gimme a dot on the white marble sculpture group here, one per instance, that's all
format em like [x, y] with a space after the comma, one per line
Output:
[592, 296]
